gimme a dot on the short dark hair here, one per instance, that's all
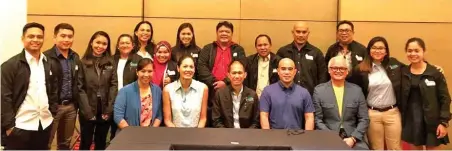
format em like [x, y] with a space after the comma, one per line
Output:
[63, 26]
[182, 58]
[241, 62]
[225, 24]
[263, 35]
[345, 22]
[32, 25]
[143, 63]
[419, 41]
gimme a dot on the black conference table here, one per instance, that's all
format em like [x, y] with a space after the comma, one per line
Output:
[163, 138]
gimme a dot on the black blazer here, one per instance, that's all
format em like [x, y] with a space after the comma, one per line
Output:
[75, 65]
[222, 114]
[15, 80]
[252, 64]
[129, 74]
[106, 83]
[171, 71]
[434, 93]
[393, 70]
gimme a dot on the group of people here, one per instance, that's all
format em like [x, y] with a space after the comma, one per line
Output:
[369, 98]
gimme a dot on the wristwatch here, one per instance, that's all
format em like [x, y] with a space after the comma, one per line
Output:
[445, 124]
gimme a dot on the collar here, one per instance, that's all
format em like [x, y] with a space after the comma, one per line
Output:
[306, 46]
[264, 59]
[58, 53]
[291, 86]
[232, 89]
[230, 43]
[179, 86]
[29, 57]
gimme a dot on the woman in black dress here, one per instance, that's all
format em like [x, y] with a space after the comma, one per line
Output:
[425, 101]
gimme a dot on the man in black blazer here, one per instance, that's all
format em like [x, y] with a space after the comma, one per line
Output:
[235, 106]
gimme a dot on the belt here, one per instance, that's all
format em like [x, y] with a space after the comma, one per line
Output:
[382, 109]
[66, 102]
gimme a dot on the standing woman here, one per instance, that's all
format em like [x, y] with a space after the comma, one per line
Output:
[126, 66]
[98, 92]
[425, 103]
[143, 42]
[185, 100]
[379, 78]
[139, 103]
[185, 44]
[165, 70]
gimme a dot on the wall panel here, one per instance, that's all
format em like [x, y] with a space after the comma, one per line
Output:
[193, 8]
[86, 7]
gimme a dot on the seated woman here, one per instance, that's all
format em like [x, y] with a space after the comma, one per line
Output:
[139, 103]
[185, 100]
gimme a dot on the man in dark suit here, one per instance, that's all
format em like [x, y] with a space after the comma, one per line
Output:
[235, 106]
[340, 106]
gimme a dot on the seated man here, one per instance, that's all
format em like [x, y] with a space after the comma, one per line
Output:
[284, 104]
[235, 106]
[340, 106]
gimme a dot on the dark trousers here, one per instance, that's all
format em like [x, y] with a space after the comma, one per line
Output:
[63, 126]
[20, 139]
[94, 128]
[113, 128]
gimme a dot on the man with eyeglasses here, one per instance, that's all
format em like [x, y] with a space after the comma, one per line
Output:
[346, 46]
[340, 106]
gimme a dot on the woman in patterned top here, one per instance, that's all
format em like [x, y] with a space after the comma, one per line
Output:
[139, 103]
[185, 100]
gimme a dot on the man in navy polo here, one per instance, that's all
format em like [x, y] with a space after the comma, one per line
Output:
[285, 105]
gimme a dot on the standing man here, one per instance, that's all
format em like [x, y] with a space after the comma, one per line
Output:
[285, 105]
[309, 60]
[346, 45]
[262, 66]
[214, 60]
[29, 94]
[340, 106]
[235, 106]
[68, 70]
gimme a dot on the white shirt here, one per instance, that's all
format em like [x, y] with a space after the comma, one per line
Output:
[120, 71]
[381, 93]
[186, 106]
[262, 72]
[35, 107]
[145, 55]
[236, 107]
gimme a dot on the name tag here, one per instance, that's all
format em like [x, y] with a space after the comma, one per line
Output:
[235, 54]
[249, 99]
[430, 83]
[133, 64]
[274, 70]
[108, 67]
[393, 66]
[50, 73]
[359, 58]
[194, 55]
[309, 57]
[171, 72]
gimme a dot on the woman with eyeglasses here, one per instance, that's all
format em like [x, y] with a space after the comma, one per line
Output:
[379, 78]
[185, 100]
[425, 102]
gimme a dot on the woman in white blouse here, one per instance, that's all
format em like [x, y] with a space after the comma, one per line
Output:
[185, 100]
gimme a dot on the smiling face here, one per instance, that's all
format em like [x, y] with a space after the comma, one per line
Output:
[162, 54]
[263, 46]
[224, 34]
[300, 33]
[414, 52]
[186, 68]
[286, 70]
[145, 75]
[345, 33]
[99, 45]
[144, 32]
[125, 45]
[186, 36]
[33, 39]
[236, 74]
[64, 39]
[378, 51]
[338, 68]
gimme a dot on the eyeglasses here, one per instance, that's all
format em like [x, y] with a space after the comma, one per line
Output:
[336, 69]
[344, 30]
[378, 48]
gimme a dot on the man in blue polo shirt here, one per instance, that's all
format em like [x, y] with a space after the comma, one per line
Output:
[285, 105]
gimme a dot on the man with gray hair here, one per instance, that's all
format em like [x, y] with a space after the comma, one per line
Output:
[340, 106]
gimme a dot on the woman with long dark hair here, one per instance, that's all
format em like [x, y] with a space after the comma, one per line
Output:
[379, 77]
[98, 92]
[142, 39]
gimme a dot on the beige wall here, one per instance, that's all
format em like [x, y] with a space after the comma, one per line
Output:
[395, 20]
